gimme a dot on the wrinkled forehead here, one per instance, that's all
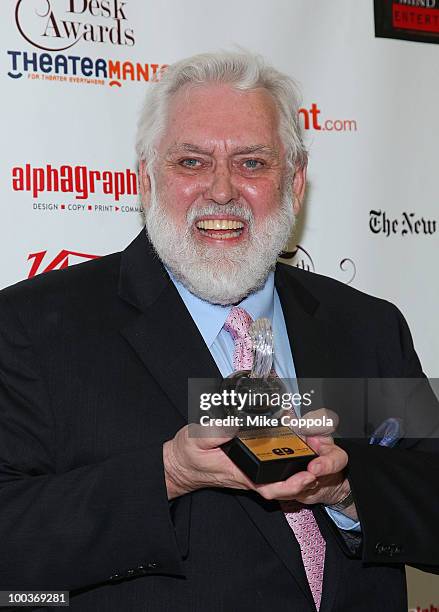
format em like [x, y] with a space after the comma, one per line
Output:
[219, 116]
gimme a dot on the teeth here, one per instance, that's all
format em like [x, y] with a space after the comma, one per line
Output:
[223, 235]
[219, 224]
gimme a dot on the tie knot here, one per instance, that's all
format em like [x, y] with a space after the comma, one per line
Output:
[238, 323]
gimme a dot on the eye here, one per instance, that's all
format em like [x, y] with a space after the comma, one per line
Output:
[190, 162]
[252, 164]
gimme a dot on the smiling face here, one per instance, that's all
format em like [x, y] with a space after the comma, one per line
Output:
[220, 186]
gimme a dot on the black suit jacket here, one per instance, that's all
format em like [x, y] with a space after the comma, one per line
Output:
[94, 363]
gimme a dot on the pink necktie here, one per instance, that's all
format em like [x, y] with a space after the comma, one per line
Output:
[238, 324]
[300, 519]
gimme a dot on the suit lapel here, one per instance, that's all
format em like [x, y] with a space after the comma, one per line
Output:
[332, 570]
[270, 520]
[311, 338]
[162, 331]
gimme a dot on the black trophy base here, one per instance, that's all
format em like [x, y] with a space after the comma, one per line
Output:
[269, 455]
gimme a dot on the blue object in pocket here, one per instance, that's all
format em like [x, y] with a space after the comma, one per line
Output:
[388, 433]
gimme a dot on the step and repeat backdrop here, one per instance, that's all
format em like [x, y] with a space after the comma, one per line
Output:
[73, 76]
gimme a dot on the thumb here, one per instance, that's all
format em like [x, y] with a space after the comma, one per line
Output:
[206, 438]
[320, 444]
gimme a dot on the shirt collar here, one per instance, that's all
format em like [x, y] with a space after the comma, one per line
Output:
[210, 318]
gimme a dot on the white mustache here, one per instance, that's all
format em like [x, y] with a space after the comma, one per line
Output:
[211, 210]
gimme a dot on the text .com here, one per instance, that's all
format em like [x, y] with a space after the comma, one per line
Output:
[312, 120]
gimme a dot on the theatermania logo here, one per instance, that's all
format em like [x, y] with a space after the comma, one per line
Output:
[75, 188]
[53, 27]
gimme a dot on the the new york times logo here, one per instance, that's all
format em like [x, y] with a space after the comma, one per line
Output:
[407, 224]
[55, 25]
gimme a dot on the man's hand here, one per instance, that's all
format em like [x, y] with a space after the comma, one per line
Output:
[193, 463]
[330, 485]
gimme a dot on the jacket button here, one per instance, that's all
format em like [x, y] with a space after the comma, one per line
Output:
[115, 577]
[388, 549]
[394, 549]
[152, 565]
[130, 573]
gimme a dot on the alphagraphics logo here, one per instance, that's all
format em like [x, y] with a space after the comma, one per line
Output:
[62, 260]
[56, 25]
[71, 187]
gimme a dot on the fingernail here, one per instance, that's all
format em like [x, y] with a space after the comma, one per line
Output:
[316, 469]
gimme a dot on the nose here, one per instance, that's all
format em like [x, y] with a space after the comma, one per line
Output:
[221, 188]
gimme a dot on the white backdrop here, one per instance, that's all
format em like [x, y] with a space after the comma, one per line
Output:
[369, 106]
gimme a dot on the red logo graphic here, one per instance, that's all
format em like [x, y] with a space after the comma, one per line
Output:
[311, 120]
[408, 15]
[77, 180]
[416, 20]
[60, 261]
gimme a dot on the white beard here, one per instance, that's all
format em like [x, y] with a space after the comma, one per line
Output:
[220, 274]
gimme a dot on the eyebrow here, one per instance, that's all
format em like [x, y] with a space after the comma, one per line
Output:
[245, 150]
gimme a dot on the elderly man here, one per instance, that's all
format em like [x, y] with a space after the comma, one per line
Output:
[102, 490]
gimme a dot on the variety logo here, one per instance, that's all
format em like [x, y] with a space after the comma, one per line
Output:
[407, 224]
[311, 120]
[62, 260]
[56, 25]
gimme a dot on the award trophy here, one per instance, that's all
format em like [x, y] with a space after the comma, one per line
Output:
[264, 449]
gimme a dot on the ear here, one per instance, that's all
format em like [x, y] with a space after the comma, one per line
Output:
[299, 185]
[144, 183]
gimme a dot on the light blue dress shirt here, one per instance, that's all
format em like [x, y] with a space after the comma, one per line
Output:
[210, 319]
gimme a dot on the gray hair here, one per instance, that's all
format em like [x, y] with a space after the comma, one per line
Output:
[244, 71]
